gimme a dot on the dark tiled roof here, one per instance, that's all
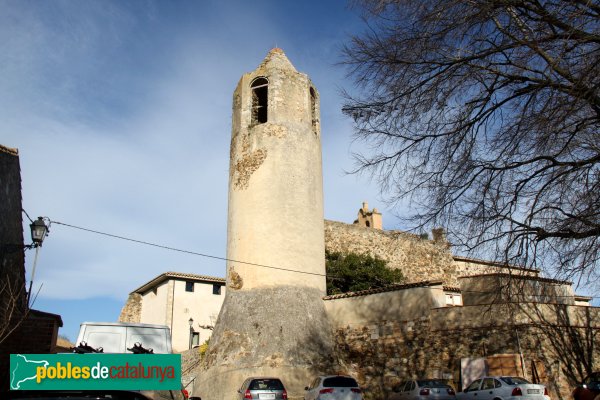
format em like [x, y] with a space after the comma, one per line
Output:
[176, 276]
[492, 263]
[389, 288]
[517, 276]
[46, 315]
[8, 150]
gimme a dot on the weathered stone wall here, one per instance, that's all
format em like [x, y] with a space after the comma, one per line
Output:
[132, 310]
[280, 331]
[190, 368]
[419, 259]
[384, 354]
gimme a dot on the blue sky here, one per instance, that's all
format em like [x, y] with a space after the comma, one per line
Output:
[121, 111]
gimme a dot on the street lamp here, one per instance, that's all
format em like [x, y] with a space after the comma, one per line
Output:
[191, 322]
[39, 231]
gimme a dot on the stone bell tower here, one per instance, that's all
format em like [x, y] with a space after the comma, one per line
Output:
[276, 180]
[273, 321]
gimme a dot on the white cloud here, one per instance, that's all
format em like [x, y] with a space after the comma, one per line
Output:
[122, 115]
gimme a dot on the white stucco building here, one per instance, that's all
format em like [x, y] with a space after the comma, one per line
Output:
[189, 304]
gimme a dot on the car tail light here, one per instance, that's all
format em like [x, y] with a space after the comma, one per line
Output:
[451, 392]
[546, 391]
[186, 394]
[326, 390]
[355, 390]
[424, 392]
[248, 395]
[284, 394]
[517, 392]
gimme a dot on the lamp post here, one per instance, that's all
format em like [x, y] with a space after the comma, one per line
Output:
[191, 322]
[39, 231]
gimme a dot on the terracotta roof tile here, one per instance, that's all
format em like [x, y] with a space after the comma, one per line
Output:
[176, 276]
[389, 288]
[493, 263]
[517, 276]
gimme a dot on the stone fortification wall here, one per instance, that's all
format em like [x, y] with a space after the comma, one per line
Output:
[381, 355]
[132, 310]
[419, 259]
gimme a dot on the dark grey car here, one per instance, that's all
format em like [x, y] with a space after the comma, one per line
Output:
[262, 388]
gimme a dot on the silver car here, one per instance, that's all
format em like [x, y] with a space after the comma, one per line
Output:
[333, 387]
[262, 388]
[503, 388]
[423, 389]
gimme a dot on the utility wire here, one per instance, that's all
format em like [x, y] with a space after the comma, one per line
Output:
[263, 265]
[184, 251]
[28, 217]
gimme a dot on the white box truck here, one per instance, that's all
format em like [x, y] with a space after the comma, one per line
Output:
[119, 337]
[129, 338]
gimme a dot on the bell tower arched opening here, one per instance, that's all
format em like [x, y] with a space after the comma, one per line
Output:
[260, 100]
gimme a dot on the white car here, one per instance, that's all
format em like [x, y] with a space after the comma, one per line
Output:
[503, 388]
[333, 387]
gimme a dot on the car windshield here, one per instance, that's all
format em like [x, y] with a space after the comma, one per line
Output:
[432, 383]
[513, 380]
[266, 384]
[339, 381]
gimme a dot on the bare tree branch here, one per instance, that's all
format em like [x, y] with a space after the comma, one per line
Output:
[485, 115]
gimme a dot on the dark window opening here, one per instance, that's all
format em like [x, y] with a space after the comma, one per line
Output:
[189, 286]
[260, 96]
[313, 109]
[266, 384]
[216, 289]
[368, 224]
[340, 381]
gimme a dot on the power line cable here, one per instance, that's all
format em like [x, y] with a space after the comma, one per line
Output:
[256, 264]
[184, 251]
[28, 217]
